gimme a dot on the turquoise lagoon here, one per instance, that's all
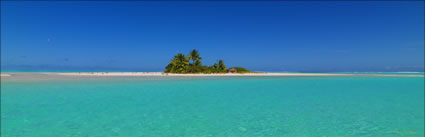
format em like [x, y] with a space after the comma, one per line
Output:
[53, 106]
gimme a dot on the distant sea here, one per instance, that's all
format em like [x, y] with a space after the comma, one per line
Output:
[55, 106]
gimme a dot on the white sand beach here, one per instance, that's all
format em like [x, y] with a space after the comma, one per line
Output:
[4, 75]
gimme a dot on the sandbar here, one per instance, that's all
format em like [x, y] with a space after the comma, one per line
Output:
[221, 74]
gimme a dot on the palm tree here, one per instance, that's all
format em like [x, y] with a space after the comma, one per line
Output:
[195, 57]
[192, 64]
[179, 63]
[221, 66]
[168, 68]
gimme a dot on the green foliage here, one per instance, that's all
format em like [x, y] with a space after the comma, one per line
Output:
[195, 57]
[193, 64]
[242, 70]
[179, 64]
[208, 70]
[192, 68]
[219, 67]
[168, 68]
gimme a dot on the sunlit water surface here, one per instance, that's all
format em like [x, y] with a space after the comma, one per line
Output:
[54, 106]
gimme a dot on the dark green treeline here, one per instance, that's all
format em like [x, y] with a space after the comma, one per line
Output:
[192, 63]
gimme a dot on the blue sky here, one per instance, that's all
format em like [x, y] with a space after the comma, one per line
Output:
[264, 36]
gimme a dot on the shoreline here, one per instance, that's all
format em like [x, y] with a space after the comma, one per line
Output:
[103, 74]
[193, 75]
[4, 75]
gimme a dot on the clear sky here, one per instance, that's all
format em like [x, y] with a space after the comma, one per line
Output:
[262, 36]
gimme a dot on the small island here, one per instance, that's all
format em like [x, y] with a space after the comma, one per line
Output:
[192, 63]
[191, 66]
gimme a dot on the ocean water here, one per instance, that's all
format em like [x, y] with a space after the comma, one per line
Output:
[54, 106]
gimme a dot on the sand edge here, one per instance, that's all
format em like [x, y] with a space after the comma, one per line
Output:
[4, 75]
[225, 74]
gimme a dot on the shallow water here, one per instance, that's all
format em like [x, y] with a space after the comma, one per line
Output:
[46, 106]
